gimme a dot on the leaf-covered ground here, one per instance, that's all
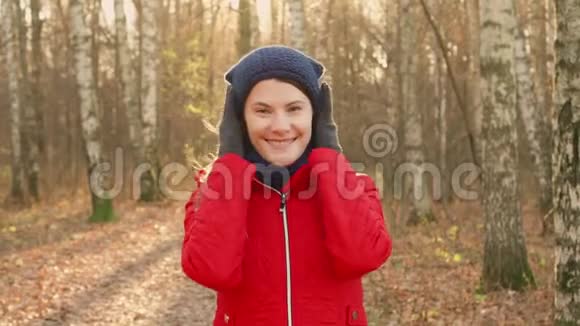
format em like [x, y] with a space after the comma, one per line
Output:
[56, 269]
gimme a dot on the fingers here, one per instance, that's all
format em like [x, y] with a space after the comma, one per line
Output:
[325, 90]
[326, 101]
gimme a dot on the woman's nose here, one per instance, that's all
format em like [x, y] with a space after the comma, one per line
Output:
[280, 123]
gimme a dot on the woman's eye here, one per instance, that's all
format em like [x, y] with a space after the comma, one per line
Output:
[295, 108]
[262, 111]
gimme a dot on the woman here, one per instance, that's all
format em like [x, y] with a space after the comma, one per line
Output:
[283, 228]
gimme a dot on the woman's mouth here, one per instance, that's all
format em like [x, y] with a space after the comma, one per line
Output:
[280, 143]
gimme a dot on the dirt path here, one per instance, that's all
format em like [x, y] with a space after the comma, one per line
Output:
[126, 273]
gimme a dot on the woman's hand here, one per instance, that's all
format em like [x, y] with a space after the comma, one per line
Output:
[325, 133]
[354, 224]
[230, 128]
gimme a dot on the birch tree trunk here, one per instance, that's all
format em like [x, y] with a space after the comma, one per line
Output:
[505, 260]
[392, 113]
[297, 24]
[473, 87]
[414, 155]
[33, 116]
[255, 23]
[545, 47]
[440, 83]
[245, 28]
[29, 127]
[548, 101]
[533, 119]
[102, 208]
[550, 36]
[442, 117]
[567, 173]
[211, 56]
[275, 13]
[14, 90]
[149, 93]
[265, 20]
[398, 116]
[283, 21]
[128, 81]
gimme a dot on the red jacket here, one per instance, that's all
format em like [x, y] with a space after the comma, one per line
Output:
[295, 257]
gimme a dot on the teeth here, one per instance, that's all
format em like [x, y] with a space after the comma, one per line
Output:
[280, 142]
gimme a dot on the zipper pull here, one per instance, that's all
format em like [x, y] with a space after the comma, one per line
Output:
[283, 203]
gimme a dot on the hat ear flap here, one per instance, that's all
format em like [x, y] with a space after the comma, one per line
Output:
[229, 76]
[318, 68]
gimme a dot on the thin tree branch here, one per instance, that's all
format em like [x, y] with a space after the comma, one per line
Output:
[460, 101]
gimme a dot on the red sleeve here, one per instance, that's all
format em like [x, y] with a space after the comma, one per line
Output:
[356, 235]
[215, 225]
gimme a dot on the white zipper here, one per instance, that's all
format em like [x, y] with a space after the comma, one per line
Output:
[287, 247]
[287, 251]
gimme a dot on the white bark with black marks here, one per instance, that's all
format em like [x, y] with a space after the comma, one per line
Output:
[505, 260]
[150, 96]
[567, 163]
[532, 117]
[86, 84]
[128, 80]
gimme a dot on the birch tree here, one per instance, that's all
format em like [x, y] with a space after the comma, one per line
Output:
[33, 116]
[14, 90]
[567, 173]
[255, 23]
[532, 117]
[297, 24]
[420, 201]
[102, 207]
[128, 81]
[545, 9]
[248, 26]
[245, 27]
[275, 18]
[505, 260]
[441, 109]
[149, 93]
[473, 91]
[265, 21]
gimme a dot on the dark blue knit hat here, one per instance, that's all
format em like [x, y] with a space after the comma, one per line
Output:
[275, 61]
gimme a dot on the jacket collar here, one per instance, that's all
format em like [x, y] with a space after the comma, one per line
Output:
[282, 179]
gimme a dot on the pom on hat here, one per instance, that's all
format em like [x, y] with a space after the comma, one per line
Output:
[275, 61]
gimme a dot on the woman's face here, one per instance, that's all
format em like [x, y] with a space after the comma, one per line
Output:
[279, 120]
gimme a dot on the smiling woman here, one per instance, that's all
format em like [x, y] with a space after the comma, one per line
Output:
[296, 258]
[278, 118]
